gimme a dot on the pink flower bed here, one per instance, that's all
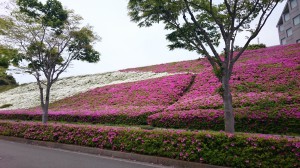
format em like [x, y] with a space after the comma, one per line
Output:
[128, 103]
[271, 74]
[154, 92]
[215, 101]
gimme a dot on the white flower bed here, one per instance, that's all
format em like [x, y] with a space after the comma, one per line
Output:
[27, 96]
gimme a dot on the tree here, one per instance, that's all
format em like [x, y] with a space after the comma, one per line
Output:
[198, 25]
[48, 38]
[7, 58]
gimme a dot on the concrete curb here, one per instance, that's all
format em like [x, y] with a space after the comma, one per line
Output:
[116, 154]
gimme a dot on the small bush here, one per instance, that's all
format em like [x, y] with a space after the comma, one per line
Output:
[217, 148]
[5, 88]
[251, 47]
[255, 46]
[5, 106]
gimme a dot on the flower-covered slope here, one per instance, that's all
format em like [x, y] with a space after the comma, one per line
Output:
[128, 103]
[27, 95]
[153, 92]
[265, 86]
[270, 74]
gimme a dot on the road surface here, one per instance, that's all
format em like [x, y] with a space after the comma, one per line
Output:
[18, 155]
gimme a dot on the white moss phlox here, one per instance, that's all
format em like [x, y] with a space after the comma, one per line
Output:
[27, 95]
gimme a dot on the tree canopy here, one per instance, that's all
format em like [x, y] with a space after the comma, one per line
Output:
[7, 57]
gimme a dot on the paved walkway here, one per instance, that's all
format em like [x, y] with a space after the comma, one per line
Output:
[17, 155]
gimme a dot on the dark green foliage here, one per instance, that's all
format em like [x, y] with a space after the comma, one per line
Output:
[251, 47]
[266, 116]
[5, 106]
[105, 119]
[255, 46]
[51, 13]
[217, 148]
[287, 126]
[7, 80]
[82, 44]
[8, 57]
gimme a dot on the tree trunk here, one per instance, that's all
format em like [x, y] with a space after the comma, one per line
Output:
[228, 109]
[45, 115]
[46, 105]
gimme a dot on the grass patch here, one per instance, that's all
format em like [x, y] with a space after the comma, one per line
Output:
[249, 87]
[5, 88]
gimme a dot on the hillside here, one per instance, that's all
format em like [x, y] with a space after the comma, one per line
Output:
[265, 86]
[27, 95]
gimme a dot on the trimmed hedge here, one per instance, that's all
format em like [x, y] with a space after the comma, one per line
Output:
[217, 148]
[94, 119]
[279, 120]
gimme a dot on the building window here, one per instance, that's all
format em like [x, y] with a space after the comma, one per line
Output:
[289, 32]
[296, 20]
[281, 28]
[286, 17]
[283, 41]
[293, 3]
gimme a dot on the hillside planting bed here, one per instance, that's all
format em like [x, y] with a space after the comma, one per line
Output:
[129, 103]
[265, 90]
[27, 95]
[217, 148]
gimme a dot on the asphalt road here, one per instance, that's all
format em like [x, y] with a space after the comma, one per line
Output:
[17, 155]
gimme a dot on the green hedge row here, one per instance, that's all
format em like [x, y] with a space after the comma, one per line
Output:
[289, 126]
[276, 119]
[216, 148]
[97, 119]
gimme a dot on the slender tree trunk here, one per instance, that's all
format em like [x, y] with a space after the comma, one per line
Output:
[228, 109]
[46, 104]
[45, 115]
[42, 102]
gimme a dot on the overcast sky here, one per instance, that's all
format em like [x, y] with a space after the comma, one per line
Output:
[125, 45]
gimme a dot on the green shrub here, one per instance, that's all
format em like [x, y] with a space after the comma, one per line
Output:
[251, 47]
[5, 106]
[4, 88]
[217, 148]
[255, 46]
[94, 119]
[265, 117]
